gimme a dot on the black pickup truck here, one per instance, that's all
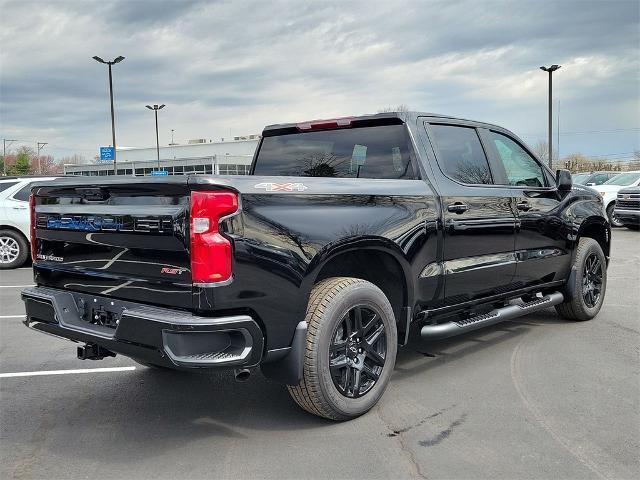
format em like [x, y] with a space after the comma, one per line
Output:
[349, 236]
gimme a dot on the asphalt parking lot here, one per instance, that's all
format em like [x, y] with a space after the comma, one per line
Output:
[533, 398]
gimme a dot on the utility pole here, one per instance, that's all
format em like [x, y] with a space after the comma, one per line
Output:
[39, 146]
[4, 154]
[113, 121]
[155, 108]
[550, 69]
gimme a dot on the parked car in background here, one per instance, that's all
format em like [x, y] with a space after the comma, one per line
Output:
[14, 219]
[609, 191]
[627, 209]
[591, 179]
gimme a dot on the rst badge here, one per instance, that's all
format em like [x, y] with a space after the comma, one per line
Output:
[173, 271]
[282, 187]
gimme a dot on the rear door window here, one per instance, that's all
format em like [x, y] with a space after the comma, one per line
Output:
[460, 154]
[366, 152]
[5, 185]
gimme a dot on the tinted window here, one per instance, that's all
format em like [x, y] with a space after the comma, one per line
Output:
[5, 185]
[369, 152]
[521, 169]
[580, 178]
[460, 154]
[23, 193]
[600, 178]
[623, 179]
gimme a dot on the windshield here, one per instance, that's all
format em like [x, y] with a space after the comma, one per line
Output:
[624, 179]
[580, 177]
[368, 152]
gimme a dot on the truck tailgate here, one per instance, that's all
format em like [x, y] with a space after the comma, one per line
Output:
[127, 239]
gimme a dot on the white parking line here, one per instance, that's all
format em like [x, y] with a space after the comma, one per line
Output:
[12, 316]
[66, 372]
[17, 286]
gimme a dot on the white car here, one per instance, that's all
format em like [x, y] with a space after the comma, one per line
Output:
[609, 191]
[14, 219]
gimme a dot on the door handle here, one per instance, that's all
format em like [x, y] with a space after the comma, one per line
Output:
[19, 208]
[524, 206]
[457, 207]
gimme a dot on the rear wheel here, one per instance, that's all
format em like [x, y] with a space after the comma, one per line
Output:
[589, 283]
[613, 220]
[14, 249]
[351, 349]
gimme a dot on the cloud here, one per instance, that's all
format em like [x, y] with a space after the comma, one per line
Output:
[236, 66]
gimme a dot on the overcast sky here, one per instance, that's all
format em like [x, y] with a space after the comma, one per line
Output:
[229, 68]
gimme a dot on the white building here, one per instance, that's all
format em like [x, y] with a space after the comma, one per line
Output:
[219, 158]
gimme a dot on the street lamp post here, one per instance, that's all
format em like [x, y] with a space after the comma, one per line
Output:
[155, 109]
[113, 121]
[550, 69]
[40, 146]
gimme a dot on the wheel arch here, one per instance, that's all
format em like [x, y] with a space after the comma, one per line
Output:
[376, 260]
[598, 229]
[15, 229]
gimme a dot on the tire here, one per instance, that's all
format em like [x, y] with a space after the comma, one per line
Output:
[324, 389]
[14, 249]
[579, 308]
[613, 220]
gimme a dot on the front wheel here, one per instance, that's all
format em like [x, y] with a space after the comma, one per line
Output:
[589, 282]
[352, 342]
[613, 220]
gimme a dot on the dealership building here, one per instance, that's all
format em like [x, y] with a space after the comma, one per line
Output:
[230, 157]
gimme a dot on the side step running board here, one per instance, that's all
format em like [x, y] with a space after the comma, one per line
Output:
[509, 312]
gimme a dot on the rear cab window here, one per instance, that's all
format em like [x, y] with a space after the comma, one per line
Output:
[383, 152]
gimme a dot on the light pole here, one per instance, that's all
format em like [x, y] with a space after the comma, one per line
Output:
[40, 145]
[4, 154]
[550, 69]
[155, 109]
[113, 121]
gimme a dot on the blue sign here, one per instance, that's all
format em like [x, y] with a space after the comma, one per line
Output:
[159, 173]
[107, 153]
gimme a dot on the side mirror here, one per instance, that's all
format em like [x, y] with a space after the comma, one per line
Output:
[591, 184]
[563, 180]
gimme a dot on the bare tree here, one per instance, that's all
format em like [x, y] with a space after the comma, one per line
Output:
[402, 108]
[541, 149]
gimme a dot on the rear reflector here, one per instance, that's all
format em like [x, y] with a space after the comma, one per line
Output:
[32, 226]
[344, 122]
[210, 251]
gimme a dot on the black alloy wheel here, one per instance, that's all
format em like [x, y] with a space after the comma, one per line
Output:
[357, 351]
[592, 280]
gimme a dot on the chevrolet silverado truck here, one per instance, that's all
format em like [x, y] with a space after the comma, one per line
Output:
[349, 237]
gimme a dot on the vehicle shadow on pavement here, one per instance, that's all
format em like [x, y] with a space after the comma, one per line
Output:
[154, 411]
[420, 356]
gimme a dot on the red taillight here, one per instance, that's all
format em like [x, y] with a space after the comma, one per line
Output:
[210, 251]
[32, 226]
[344, 122]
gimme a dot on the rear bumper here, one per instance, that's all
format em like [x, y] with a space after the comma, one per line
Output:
[166, 337]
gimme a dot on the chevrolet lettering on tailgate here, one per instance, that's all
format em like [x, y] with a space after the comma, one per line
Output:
[97, 223]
